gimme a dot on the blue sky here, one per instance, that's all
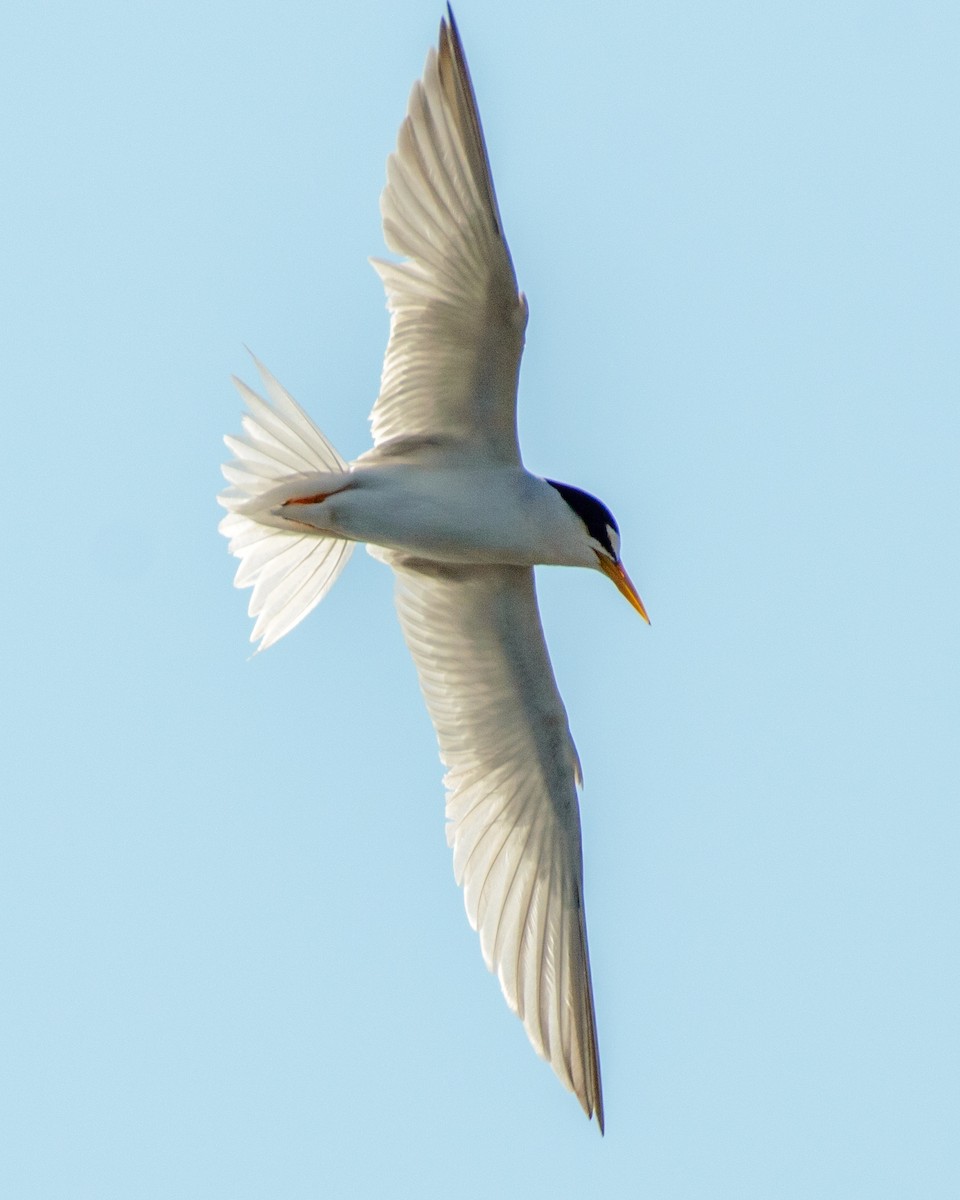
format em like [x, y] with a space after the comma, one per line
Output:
[235, 961]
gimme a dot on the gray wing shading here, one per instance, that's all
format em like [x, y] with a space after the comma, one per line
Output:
[457, 319]
[512, 811]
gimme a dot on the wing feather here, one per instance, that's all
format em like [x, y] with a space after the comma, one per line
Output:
[513, 818]
[457, 319]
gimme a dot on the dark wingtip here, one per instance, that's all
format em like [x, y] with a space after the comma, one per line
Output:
[448, 24]
[450, 32]
[455, 79]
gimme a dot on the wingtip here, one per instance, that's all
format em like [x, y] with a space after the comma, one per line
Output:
[450, 42]
[593, 1105]
[597, 1111]
[450, 36]
[448, 31]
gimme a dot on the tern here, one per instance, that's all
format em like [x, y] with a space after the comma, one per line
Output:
[443, 498]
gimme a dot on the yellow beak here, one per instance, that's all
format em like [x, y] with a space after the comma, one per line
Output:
[619, 576]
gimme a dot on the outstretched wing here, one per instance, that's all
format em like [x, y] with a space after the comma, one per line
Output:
[457, 319]
[512, 810]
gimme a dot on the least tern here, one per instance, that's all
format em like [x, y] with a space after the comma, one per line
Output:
[443, 498]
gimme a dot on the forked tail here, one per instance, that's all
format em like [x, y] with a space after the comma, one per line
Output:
[290, 570]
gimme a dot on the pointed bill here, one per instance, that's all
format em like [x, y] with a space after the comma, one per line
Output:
[616, 572]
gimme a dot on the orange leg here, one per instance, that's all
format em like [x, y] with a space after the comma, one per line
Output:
[318, 499]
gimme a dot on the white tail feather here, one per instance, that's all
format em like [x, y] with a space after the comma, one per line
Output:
[290, 570]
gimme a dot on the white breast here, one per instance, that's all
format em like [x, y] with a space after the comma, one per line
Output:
[486, 515]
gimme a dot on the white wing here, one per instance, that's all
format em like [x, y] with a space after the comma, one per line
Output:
[457, 324]
[512, 811]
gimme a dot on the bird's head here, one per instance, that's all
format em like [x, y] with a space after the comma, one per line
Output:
[602, 536]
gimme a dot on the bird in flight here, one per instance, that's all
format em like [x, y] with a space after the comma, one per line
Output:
[444, 500]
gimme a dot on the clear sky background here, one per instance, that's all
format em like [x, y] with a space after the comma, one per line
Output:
[234, 961]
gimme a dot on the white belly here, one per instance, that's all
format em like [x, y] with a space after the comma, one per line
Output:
[486, 515]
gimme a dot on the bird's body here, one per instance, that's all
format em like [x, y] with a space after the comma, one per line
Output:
[443, 498]
[449, 509]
